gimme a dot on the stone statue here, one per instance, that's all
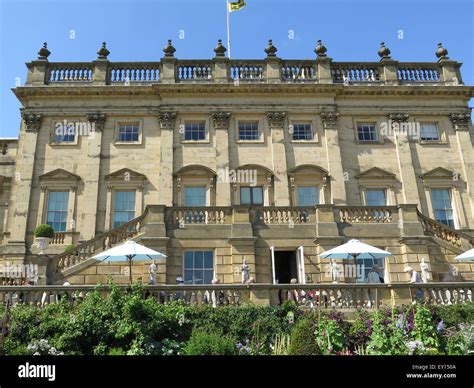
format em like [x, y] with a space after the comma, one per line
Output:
[334, 271]
[152, 270]
[425, 271]
[245, 272]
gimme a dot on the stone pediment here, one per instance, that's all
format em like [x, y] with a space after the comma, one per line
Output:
[196, 169]
[309, 169]
[376, 173]
[59, 175]
[125, 174]
[439, 173]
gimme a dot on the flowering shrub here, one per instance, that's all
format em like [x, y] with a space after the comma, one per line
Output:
[130, 323]
[42, 348]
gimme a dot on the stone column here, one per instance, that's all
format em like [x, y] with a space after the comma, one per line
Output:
[333, 152]
[22, 182]
[88, 224]
[461, 123]
[277, 122]
[167, 121]
[404, 158]
[221, 121]
[168, 63]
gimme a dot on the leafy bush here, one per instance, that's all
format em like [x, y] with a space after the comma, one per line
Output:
[127, 322]
[44, 230]
[69, 247]
[303, 339]
[207, 343]
[330, 336]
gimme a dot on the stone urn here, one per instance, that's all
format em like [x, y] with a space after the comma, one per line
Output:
[42, 243]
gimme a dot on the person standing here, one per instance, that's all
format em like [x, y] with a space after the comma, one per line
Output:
[416, 279]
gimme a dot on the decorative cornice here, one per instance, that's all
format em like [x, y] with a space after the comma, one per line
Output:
[460, 120]
[276, 119]
[98, 119]
[32, 120]
[167, 120]
[98, 92]
[221, 120]
[329, 118]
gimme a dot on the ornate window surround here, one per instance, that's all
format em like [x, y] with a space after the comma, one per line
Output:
[442, 178]
[124, 180]
[59, 180]
[309, 175]
[264, 179]
[377, 178]
[195, 175]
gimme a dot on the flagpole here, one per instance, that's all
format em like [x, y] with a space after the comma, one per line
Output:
[228, 28]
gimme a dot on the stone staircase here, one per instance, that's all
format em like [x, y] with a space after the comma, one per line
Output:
[449, 238]
[80, 257]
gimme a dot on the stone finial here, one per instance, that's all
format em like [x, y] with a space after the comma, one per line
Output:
[271, 49]
[220, 49]
[43, 52]
[384, 52]
[169, 50]
[320, 49]
[103, 52]
[441, 53]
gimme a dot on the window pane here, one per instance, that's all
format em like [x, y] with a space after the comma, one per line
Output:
[194, 264]
[128, 132]
[442, 207]
[248, 131]
[366, 132]
[188, 260]
[429, 132]
[375, 197]
[195, 196]
[257, 196]
[198, 259]
[245, 196]
[302, 132]
[208, 275]
[208, 260]
[124, 207]
[308, 195]
[57, 210]
[194, 131]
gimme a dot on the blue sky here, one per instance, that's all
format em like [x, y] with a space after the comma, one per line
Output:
[138, 29]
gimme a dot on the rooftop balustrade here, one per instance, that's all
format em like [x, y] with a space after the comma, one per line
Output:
[220, 69]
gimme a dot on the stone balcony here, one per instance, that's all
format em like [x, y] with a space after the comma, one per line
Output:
[221, 70]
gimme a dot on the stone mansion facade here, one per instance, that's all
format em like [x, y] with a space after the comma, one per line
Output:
[215, 161]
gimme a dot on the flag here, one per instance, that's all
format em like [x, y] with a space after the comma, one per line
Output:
[237, 5]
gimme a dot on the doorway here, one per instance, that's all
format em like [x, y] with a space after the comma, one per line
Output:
[285, 266]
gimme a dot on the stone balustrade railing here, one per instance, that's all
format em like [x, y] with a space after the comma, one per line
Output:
[134, 72]
[58, 239]
[271, 70]
[201, 215]
[444, 232]
[366, 214]
[322, 296]
[349, 72]
[284, 215]
[100, 243]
